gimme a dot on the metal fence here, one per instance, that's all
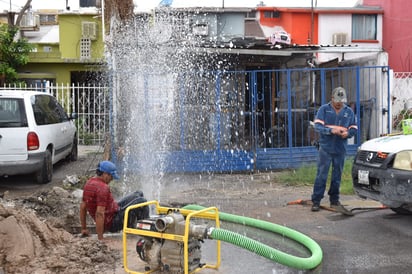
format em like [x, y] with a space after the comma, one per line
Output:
[240, 120]
[401, 97]
[227, 120]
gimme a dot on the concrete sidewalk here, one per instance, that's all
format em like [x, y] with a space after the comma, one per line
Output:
[84, 150]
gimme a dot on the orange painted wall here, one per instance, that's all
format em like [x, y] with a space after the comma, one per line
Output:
[297, 23]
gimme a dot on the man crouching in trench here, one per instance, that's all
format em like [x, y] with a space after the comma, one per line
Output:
[98, 201]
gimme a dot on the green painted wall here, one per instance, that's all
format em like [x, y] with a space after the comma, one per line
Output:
[59, 60]
[71, 33]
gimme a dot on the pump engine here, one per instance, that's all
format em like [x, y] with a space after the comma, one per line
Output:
[168, 255]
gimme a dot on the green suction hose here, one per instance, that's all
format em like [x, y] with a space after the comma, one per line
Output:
[265, 250]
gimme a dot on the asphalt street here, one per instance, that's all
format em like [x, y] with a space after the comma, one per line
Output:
[372, 241]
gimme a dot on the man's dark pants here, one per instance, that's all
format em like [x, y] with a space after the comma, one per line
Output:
[325, 160]
[134, 214]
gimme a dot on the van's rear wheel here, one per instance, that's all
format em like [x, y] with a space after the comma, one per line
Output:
[45, 174]
[74, 153]
[401, 210]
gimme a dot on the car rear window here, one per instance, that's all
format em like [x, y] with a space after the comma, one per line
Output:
[12, 113]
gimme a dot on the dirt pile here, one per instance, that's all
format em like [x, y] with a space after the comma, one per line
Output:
[35, 237]
[59, 206]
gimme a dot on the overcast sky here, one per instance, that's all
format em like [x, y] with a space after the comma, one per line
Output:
[149, 4]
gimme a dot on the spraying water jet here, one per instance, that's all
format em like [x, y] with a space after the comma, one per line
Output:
[160, 88]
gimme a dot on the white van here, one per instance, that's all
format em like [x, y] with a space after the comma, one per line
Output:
[35, 133]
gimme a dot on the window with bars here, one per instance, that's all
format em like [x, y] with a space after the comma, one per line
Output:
[85, 48]
[364, 26]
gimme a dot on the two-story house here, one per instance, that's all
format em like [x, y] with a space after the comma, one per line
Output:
[343, 33]
[68, 48]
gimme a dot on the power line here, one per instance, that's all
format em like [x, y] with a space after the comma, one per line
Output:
[10, 4]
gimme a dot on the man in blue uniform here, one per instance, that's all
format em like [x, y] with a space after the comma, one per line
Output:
[335, 122]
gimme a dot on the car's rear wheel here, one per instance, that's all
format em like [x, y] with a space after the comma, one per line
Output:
[45, 174]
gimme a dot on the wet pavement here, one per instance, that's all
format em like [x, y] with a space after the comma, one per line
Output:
[372, 241]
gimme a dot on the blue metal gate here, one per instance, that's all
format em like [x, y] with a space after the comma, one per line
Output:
[223, 121]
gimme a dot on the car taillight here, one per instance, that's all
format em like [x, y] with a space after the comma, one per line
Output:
[32, 141]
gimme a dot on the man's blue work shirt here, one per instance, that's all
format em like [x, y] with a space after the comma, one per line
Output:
[326, 119]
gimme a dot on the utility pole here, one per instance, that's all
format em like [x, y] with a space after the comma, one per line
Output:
[312, 23]
[103, 24]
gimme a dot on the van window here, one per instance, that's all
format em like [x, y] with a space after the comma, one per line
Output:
[47, 110]
[12, 113]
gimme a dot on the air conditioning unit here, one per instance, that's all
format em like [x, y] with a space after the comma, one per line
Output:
[89, 30]
[339, 38]
[30, 21]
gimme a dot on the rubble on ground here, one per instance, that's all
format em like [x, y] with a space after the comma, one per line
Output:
[35, 237]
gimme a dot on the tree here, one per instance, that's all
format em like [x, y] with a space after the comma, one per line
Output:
[13, 53]
[22, 11]
[122, 9]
